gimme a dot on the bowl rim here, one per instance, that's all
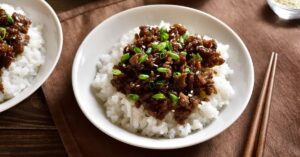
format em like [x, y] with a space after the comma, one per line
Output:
[25, 93]
[142, 145]
[272, 3]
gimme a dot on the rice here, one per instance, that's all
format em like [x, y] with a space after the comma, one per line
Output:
[24, 69]
[123, 112]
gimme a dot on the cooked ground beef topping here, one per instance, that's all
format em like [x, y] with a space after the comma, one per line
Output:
[167, 70]
[13, 37]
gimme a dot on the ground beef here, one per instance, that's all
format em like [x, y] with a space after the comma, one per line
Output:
[166, 70]
[13, 37]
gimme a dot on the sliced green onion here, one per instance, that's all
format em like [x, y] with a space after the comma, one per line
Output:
[176, 74]
[185, 35]
[164, 36]
[137, 50]
[162, 55]
[116, 72]
[133, 97]
[2, 33]
[173, 98]
[183, 53]
[194, 55]
[159, 96]
[10, 20]
[161, 46]
[187, 70]
[149, 50]
[143, 58]
[163, 30]
[173, 55]
[143, 76]
[182, 38]
[160, 82]
[197, 56]
[169, 46]
[125, 57]
[162, 70]
[154, 46]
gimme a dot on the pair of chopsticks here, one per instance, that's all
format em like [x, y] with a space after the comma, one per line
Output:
[261, 116]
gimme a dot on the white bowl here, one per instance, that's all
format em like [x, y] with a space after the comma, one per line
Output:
[101, 39]
[40, 13]
[283, 11]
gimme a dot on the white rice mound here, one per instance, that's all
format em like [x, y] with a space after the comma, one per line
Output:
[22, 71]
[123, 112]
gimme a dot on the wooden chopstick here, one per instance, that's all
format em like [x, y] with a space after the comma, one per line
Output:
[265, 118]
[258, 112]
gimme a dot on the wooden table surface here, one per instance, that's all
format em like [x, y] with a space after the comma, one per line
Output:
[28, 129]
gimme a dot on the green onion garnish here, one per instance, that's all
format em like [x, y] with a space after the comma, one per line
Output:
[2, 33]
[176, 74]
[133, 97]
[173, 55]
[183, 53]
[162, 70]
[160, 82]
[149, 50]
[116, 72]
[143, 76]
[182, 38]
[169, 46]
[164, 36]
[163, 30]
[10, 20]
[197, 56]
[158, 96]
[143, 58]
[125, 57]
[154, 46]
[137, 50]
[162, 55]
[187, 70]
[173, 98]
[161, 46]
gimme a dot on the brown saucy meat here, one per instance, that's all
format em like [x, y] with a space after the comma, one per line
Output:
[167, 71]
[13, 37]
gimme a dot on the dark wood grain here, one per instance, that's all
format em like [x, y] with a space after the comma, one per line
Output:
[30, 142]
[60, 6]
[28, 129]
[32, 113]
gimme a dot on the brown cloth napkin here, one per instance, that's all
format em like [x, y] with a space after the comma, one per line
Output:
[258, 27]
